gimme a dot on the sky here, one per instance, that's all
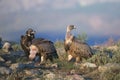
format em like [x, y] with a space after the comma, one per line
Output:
[49, 18]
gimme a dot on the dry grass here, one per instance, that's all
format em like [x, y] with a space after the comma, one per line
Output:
[100, 58]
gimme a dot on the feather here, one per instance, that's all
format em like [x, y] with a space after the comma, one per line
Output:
[75, 47]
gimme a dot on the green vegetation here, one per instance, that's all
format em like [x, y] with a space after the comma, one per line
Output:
[100, 58]
[59, 44]
[16, 47]
[111, 74]
[116, 57]
[82, 37]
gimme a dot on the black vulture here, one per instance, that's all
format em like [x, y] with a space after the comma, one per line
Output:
[44, 49]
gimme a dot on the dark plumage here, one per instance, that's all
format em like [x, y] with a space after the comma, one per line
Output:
[26, 40]
[74, 47]
[43, 48]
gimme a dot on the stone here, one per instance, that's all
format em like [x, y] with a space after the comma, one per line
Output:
[72, 71]
[88, 65]
[29, 65]
[14, 66]
[33, 72]
[4, 70]
[22, 66]
[7, 47]
[55, 65]
[74, 77]
[1, 59]
[50, 76]
[8, 63]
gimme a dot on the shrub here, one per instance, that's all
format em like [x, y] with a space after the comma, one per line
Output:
[100, 58]
[59, 44]
[118, 43]
[82, 37]
[111, 74]
[116, 57]
[16, 47]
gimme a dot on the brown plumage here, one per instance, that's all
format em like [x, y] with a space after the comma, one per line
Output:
[44, 49]
[74, 47]
[26, 40]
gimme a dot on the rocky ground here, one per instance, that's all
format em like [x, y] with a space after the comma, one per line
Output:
[16, 66]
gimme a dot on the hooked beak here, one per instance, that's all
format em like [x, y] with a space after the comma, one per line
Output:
[33, 32]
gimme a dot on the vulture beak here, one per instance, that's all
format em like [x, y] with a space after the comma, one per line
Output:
[33, 32]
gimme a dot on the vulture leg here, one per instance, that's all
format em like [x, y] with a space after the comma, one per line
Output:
[78, 59]
[43, 59]
[70, 57]
[50, 57]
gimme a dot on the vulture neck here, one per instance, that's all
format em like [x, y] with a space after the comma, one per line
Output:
[68, 37]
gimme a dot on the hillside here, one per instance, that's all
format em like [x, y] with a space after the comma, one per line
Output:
[103, 65]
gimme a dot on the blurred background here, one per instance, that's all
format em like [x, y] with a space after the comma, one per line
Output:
[98, 19]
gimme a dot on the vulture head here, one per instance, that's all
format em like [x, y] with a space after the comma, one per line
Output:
[30, 33]
[70, 28]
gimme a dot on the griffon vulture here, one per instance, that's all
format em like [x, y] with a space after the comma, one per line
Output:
[74, 47]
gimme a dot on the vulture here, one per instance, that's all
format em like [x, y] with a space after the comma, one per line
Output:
[74, 47]
[26, 40]
[44, 49]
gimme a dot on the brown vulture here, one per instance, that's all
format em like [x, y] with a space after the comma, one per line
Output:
[44, 49]
[74, 47]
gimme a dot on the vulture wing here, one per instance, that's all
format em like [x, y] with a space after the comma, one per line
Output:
[45, 46]
[81, 49]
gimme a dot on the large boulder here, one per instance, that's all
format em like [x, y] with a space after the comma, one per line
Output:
[7, 47]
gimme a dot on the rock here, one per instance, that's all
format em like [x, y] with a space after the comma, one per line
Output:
[33, 72]
[4, 70]
[74, 77]
[17, 66]
[22, 66]
[88, 65]
[8, 63]
[14, 66]
[29, 65]
[7, 47]
[50, 76]
[1, 59]
[72, 71]
[55, 65]
[36, 79]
